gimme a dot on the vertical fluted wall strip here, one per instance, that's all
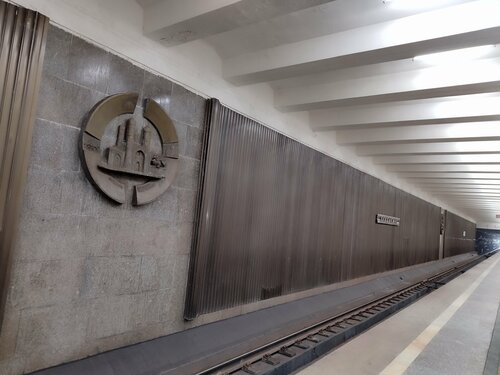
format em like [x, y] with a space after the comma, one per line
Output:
[277, 217]
[22, 45]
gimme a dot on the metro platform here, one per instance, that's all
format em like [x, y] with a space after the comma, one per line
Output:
[453, 331]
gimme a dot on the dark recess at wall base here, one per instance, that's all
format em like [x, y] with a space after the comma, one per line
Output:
[277, 217]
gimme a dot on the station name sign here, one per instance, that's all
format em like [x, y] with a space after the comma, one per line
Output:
[387, 220]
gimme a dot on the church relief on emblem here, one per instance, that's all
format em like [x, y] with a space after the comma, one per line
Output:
[129, 156]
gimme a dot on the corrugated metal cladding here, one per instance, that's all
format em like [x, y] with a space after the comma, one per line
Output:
[22, 47]
[459, 235]
[278, 217]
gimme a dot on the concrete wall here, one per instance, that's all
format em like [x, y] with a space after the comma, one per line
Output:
[89, 275]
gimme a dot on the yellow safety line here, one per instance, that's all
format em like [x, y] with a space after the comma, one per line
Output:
[401, 363]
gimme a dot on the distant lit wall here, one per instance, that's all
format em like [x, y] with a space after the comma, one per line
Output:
[487, 240]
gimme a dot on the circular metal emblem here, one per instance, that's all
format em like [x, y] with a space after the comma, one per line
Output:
[122, 157]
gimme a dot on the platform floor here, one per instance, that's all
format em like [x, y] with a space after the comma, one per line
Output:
[448, 332]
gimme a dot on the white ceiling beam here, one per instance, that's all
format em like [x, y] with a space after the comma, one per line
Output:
[455, 182]
[486, 208]
[480, 212]
[475, 204]
[473, 188]
[483, 211]
[472, 168]
[472, 205]
[451, 176]
[489, 212]
[452, 195]
[466, 25]
[481, 76]
[439, 159]
[488, 130]
[476, 207]
[439, 148]
[467, 108]
[469, 194]
[471, 201]
[180, 21]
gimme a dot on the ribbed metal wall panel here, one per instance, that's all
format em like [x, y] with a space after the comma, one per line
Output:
[277, 217]
[22, 45]
[455, 242]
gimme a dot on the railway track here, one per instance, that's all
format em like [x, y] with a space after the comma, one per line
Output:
[289, 353]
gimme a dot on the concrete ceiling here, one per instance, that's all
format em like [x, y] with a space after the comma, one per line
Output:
[413, 84]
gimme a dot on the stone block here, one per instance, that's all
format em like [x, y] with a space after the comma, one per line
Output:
[108, 276]
[175, 307]
[53, 192]
[190, 140]
[96, 204]
[150, 274]
[70, 158]
[55, 94]
[8, 334]
[89, 65]
[156, 238]
[13, 366]
[70, 197]
[50, 237]
[56, 61]
[147, 308]
[42, 191]
[185, 238]
[129, 236]
[53, 334]
[173, 313]
[164, 208]
[188, 174]
[187, 205]
[46, 146]
[194, 140]
[145, 322]
[42, 283]
[181, 130]
[124, 77]
[110, 316]
[187, 107]
[166, 271]
[181, 274]
[158, 89]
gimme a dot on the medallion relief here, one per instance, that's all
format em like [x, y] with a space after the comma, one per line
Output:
[127, 160]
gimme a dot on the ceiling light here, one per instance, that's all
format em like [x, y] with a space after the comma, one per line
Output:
[457, 55]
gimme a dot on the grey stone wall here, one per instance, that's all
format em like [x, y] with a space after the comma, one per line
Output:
[89, 275]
